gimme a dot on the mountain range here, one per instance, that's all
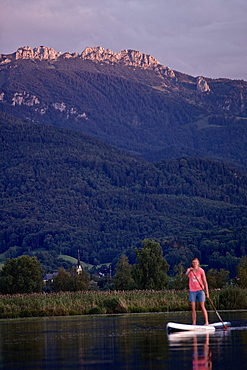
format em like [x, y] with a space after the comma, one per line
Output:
[101, 150]
[129, 100]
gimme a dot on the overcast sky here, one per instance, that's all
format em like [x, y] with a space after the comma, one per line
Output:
[197, 37]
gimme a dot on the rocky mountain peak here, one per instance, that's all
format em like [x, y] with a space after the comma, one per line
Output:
[25, 52]
[137, 58]
[96, 54]
[40, 53]
[128, 57]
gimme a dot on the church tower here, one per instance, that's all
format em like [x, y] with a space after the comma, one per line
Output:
[79, 268]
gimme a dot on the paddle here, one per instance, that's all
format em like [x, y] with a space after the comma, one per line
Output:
[217, 313]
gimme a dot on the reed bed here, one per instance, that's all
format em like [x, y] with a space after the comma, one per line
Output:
[84, 303]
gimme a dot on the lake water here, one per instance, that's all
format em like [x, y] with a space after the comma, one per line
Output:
[121, 342]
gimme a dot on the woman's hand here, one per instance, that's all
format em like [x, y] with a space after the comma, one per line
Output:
[189, 270]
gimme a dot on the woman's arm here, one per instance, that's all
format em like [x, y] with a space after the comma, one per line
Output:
[188, 271]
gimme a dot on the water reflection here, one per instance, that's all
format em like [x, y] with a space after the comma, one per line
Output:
[117, 342]
[202, 356]
[201, 352]
[219, 350]
[99, 342]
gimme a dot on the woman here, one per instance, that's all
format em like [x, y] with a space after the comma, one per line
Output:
[198, 286]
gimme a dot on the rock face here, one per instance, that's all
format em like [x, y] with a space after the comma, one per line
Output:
[96, 54]
[202, 84]
[24, 99]
[39, 53]
[128, 57]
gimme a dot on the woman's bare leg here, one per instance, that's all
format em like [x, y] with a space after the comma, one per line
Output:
[204, 312]
[193, 312]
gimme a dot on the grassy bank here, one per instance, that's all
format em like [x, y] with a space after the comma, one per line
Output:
[84, 303]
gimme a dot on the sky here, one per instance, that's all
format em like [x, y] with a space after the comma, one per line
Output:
[198, 37]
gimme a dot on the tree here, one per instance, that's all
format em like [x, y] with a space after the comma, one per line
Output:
[242, 272]
[123, 279]
[70, 280]
[229, 262]
[151, 269]
[217, 278]
[21, 275]
[180, 280]
[61, 280]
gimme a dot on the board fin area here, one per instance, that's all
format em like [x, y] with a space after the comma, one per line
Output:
[221, 325]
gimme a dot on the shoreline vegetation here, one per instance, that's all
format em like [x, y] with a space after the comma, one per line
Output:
[113, 302]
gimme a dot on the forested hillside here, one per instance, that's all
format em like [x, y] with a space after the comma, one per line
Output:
[133, 103]
[63, 191]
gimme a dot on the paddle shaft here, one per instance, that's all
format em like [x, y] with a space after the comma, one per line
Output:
[217, 313]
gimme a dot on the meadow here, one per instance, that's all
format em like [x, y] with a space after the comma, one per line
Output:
[112, 302]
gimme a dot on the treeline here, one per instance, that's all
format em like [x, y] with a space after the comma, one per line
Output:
[63, 191]
[24, 275]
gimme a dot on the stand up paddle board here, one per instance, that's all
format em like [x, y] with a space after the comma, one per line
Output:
[220, 325]
[173, 326]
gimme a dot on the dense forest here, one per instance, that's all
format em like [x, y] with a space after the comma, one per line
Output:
[63, 191]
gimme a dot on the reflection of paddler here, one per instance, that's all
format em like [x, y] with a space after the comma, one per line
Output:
[202, 360]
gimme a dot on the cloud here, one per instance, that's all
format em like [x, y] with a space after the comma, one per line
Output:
[197, 37]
